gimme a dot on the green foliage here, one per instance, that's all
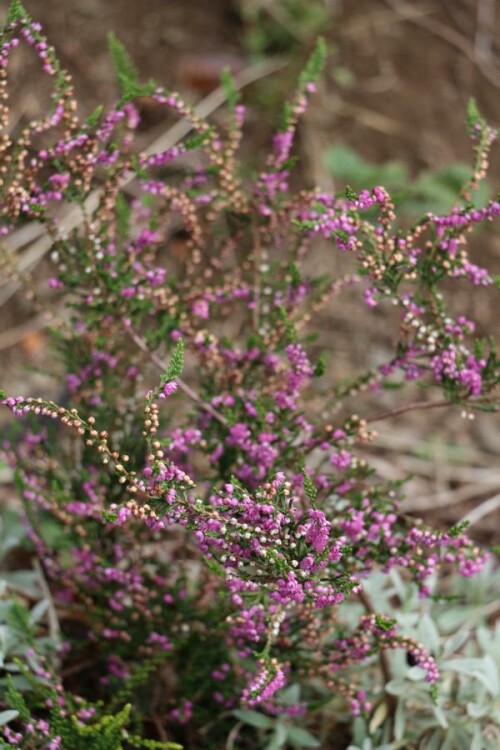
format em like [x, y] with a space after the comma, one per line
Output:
[309, 488]
[122, 216]
[126, 72]
[315, 64]
[230, 91]
[290, 334]
[458, 528]
[320, 367]
[474, 117]
[94, 117]
[16, 12]
[281, 26]
[176, 365]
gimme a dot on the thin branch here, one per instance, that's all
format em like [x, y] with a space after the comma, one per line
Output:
[415, 406]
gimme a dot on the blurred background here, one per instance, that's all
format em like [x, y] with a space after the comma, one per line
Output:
[390, 110]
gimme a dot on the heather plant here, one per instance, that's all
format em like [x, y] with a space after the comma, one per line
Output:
[200, 499]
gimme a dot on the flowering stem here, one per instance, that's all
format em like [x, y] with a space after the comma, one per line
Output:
[181, 383]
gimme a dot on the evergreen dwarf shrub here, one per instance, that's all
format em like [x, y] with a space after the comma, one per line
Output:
[199, 504]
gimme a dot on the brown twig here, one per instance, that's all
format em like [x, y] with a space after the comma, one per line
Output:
[415, 406]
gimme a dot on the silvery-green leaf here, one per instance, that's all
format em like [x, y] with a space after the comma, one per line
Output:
[399, 585]
[6, 716]
[278, 738]
[465, 664]
[435, 741]
[453, 618]
[20, 682]
[457, 739]
[359, 730]
[483, 669]
[254, 718]
[477, 740]
[11, 666]
[396, 687]
[428, 633]
[408, 620]
[290, 694]
[440, 716]
[399, 720]
[476, 710]
[38, 611]
[455, 642]
[491, 671]
[416, 674]
[7, 641]
[24, 580]
[301, 737]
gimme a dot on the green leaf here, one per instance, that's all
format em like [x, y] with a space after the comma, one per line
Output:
[228, 86]
[125, 69]
[384, 623]
[315, 64]
[309, 487]
[254, 718]
[290, 333]
[94, 116]
[320, 367]
[38, 611]
[474, 117]
[428, 632]
[126, 72]
[122, 216]
[458, 528]
[16, 13]
[176, 365]
[279, 737]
